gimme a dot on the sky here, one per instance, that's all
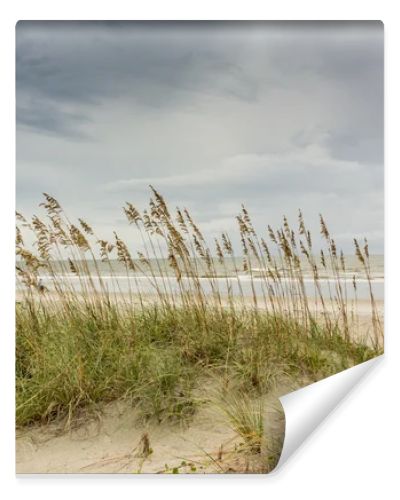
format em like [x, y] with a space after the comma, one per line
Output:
[276, 115]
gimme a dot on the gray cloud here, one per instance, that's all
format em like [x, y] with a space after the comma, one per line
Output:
[276, 115]
[47, 118]
[85, 63]
[266, 174]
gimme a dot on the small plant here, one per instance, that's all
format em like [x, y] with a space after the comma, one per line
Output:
[184, 467]
[246, 417]
[145, 449]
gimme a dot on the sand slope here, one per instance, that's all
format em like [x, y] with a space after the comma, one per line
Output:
[113, 444]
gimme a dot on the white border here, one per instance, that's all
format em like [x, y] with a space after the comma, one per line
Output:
[355, 452]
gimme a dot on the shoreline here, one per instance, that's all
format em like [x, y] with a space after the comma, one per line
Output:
[361, 306]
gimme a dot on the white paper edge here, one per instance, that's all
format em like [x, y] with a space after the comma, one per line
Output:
[305, 409]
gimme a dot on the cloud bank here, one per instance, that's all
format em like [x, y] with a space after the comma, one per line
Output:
[278, 116]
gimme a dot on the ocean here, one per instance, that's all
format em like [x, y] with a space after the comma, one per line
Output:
[229, 276]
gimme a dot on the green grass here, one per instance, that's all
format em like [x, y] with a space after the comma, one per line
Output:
[246, 417]
[81, 343]
[159, 358]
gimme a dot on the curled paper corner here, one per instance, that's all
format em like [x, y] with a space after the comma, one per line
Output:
[306, 408]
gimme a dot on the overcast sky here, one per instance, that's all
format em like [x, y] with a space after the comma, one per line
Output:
[278, 116]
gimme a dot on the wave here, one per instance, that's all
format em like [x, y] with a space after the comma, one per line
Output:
[240, 277]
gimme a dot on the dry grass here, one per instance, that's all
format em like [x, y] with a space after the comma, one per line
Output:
[82, 342]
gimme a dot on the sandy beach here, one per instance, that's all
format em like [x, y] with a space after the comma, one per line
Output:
[113, 443]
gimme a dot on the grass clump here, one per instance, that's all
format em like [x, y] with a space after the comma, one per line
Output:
[246, 416]
[82, 340]
[156, 358]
